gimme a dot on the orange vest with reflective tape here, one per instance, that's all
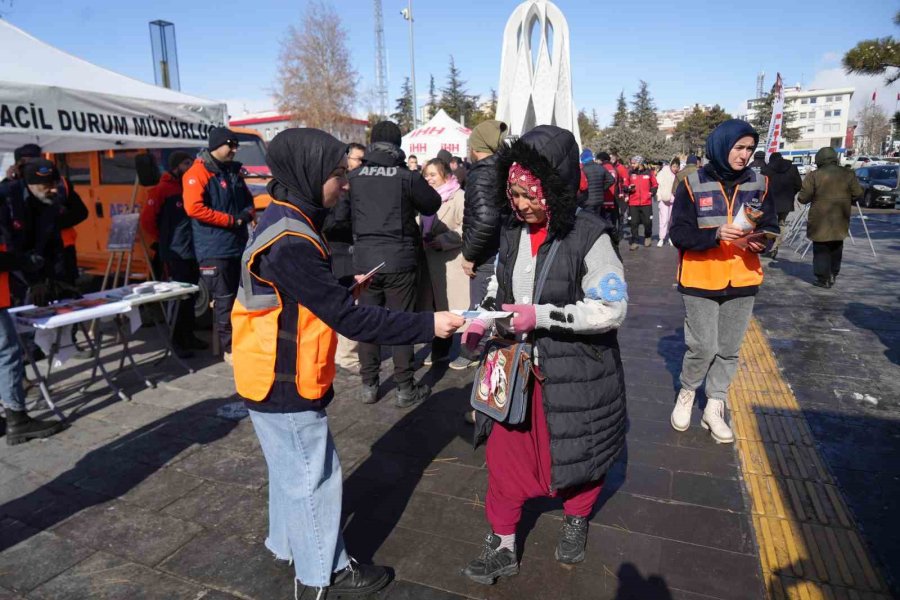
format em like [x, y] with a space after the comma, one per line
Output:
[257, 324]
[726, 264]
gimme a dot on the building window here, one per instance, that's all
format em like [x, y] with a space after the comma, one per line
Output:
[813, 100]
[837, 112]
[837, 98]
[827, 113]
[749, 104]
[804, 101]
[810, 129]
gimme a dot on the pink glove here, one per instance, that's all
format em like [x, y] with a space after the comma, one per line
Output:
[473, 335]
[524, 318]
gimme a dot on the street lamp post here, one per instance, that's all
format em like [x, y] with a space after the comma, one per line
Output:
[408, 15]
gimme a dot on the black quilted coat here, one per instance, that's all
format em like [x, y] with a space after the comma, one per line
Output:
[483, 213]
[584, 389]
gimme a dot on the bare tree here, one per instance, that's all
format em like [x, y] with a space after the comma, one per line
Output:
[874, 128]
[316, 80]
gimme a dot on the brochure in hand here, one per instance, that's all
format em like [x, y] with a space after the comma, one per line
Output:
[482, 315]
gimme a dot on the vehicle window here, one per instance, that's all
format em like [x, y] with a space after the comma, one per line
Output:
[252, 152]
[862, 172]
[75, 166]
[883, 172]
[161, 155]
[117, 167]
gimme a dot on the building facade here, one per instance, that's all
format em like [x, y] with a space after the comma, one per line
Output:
[822, 117]
[269, 123]
[668, 120]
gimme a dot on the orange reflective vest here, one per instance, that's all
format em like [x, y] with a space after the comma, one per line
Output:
[257, 326]
[725, 265]
[5, 298]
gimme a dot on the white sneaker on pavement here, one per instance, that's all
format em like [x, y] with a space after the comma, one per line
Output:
[681, 414]
[714, 420]
[660, 243]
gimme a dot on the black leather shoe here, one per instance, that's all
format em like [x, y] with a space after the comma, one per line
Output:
[20, 427]
[358, 580]
[572, 539]
[822, 283]
[412, 395]
[493, 562]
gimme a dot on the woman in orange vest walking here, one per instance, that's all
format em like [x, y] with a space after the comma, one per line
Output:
[719, 271]
[288, 308]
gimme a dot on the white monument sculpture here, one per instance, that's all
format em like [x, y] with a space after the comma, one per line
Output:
[535, 70]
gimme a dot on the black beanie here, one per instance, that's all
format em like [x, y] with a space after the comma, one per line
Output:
[40, 170]
[387, 131]
[27, 151]
[219, 136]
[178, 157]
[603, 156]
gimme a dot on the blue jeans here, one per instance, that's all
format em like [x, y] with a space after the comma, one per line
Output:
[11, 368]
[305, 487]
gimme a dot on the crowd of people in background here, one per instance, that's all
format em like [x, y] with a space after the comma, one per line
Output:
[364, 247]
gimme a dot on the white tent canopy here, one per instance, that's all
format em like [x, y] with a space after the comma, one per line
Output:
[440, 133]
[66, 104]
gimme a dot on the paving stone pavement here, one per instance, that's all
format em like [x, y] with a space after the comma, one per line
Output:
[162, 497]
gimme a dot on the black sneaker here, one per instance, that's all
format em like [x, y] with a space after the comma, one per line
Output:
[493, 562]
[412, 395]
[357, 580]
[368, 393]
[822, 283]
[20, 427]
[572, 539]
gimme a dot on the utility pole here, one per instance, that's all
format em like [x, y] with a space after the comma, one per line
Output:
[408, 15]
[380, 62]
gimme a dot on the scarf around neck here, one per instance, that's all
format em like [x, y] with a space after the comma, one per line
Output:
[446, 190]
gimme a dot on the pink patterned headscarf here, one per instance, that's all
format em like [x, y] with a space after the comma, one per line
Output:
[521, 176]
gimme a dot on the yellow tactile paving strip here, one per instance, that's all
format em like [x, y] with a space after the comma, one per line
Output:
[809, 545]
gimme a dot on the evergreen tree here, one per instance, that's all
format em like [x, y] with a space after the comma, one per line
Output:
[643, 110]
[876, 57]
[432, 107]
[404, 115]
[760, 122]
[620, 118]
[454, 99]
[696, 126]
[587, 128]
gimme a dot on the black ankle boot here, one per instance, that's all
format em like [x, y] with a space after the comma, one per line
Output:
[20, 427]
[358, 580]
[572, 539]
[414, 393]
[493, 562]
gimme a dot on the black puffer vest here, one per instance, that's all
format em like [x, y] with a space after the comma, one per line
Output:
[584, 389]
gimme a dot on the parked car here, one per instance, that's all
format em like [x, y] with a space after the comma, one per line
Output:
[880, 185]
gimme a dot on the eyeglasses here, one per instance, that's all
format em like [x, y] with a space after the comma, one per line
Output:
[233, 145]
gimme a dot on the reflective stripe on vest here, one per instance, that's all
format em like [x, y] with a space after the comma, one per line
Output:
[257, 330]
[724, 265]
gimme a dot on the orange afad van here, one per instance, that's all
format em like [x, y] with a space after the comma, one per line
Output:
[105, 181]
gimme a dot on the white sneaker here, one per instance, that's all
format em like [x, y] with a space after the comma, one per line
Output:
[714, 420]
[660, 243]
[681, 414]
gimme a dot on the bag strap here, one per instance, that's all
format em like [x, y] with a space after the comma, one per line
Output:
[542, 278]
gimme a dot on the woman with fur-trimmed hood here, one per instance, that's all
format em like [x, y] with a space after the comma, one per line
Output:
[575, 427]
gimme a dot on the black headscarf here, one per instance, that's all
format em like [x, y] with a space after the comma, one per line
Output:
[722, 140]
[301, 160]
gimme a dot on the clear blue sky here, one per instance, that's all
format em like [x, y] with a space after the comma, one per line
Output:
[688, 52]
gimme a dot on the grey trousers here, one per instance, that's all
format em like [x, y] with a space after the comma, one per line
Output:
[713, 331]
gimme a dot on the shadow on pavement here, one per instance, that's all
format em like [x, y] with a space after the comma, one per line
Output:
[114, 469]
[633, 586]
[885, 323]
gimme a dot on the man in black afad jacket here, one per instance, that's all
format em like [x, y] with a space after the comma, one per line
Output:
[385, 198]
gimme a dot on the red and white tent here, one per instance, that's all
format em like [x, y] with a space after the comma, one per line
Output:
[440, 133]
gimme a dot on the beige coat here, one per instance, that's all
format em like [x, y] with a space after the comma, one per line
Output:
[444, 286]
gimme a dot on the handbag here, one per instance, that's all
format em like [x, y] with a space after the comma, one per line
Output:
[503, 378]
